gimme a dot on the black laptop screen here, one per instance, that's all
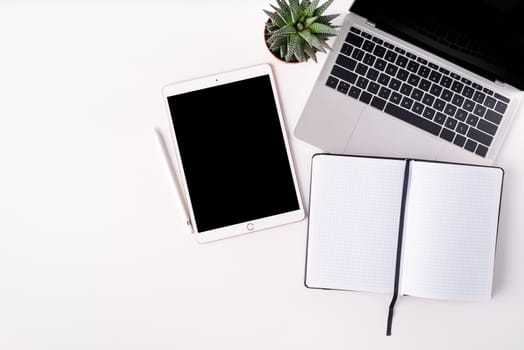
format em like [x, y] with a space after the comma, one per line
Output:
[484, 36]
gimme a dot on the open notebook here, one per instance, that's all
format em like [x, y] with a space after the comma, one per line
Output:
[419, 228]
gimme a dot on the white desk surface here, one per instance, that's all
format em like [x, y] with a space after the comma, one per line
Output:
[93, 253]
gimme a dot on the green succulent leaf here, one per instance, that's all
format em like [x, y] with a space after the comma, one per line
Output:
[326, 19]
[319, 28]
[322, 8]
[297, 30]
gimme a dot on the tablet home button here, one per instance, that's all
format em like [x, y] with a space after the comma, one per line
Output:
[250, 227]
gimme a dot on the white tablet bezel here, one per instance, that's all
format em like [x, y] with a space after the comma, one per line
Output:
[244, 227]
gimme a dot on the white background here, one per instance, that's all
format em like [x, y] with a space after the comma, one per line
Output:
[93, 253]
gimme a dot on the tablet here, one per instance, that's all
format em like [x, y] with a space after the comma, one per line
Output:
[232, 153]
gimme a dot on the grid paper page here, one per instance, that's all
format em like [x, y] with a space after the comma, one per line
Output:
[353, 223]
[450, 231]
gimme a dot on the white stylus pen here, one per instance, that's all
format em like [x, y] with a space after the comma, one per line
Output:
[174, 177]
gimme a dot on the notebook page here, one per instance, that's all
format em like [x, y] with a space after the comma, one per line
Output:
[353, 223]
[450, 231]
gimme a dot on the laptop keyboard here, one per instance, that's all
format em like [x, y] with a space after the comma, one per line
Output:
[418, 92]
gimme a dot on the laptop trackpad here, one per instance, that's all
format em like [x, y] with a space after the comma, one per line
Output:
[379, 134]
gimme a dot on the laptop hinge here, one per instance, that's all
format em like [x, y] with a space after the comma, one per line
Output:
[369, 23]
[501, 83]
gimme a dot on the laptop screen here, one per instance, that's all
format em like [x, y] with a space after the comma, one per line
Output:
[484, 36]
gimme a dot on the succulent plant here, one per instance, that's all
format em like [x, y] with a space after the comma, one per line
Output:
[296, 31]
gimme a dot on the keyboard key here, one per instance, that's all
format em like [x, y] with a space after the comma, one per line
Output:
[479, 136]
[346, 49]
[354, 92]
[395, 84]
[487, 91]
[439, 104]
[455, 76]
[332, 82]
[502, 98]
[395, 97]
[391, 69]
[457, 100]
[435, 90]
[468, 91]
[368, 46]
[428, 113]
[355, 30]
[380, 64]
[428, 99]
[477, 86]
[465, 81]
[383, 79]
[468, 105]
[432, 65]
[346, 62]
[406, 102]
[481, 150]
[417, 107]
[479, 97]
[472, 120]
[389, 46]
[493, 116]
[410, 55]
[421, 60]
[344, 74]
[459, 140]
[406, 89]
[457, 86]
[373, 88]
[361, 69]
[479, 110]
[461, 115]
[435, 76]
[343, 87]
[369, 59]
[450, 110]
[446, 95]
[489, 102]
[446, 82]
[501, 107]
[379, 51]
[424, 84]
[443, 71]
[471, 145]
[377, 102]
[487, 127]
[362, 82]
[357, 54]
[412, 119]
[366, 35]
[462, 128]
[402, 61]
[378, 41]
[451, 123]
[413, 66]
[399, 50]
[365, 97]
[424, 71]
[402, 74]
[384, 92]
[372, 74]
[354, 39]
[447, 134]
[413, 79]
[390, 56]
[417, 94]
[439, 118]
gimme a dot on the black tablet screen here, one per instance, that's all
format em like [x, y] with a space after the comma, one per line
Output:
[233, 153]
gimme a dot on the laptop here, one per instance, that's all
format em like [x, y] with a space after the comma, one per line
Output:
[437, 80]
